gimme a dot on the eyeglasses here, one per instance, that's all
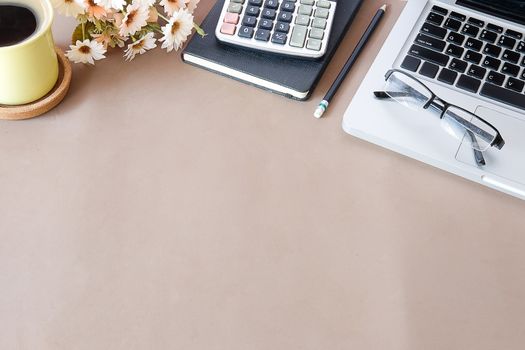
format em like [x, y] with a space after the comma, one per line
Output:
[461, 124]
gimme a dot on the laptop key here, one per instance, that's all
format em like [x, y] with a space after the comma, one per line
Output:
[447, 76]
[521, 47]
[452, 24]
[488, 36]
[476, 71]
[429, 70]
[470, 30]
[515, 85]
[433, 43]
[492, 50]
[503, 95]
[510, 56]
[476, 22]
[510, 69]
[468, 83]
[522, 75]
[514, 34]
[429, 55]
[495, 28]
[458, 66]
[491, 63]
[474, 44]
[454, 50]
[411, 63]
[472, 57]
[495, 78]
[433, 30]
[455, 38]
[434, 18]
[458, 16]
[507, 42]
[440, 10]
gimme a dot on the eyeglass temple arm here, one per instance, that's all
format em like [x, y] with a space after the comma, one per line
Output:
[478, 155]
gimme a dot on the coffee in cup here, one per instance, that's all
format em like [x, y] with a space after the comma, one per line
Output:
[17, 23]
[28, 61]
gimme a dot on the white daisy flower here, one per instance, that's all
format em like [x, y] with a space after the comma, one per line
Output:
[136, 17]
[71, 8]
[172, 6]
[177, 30]
[111, 4]
[146, 3]
[191, 5]
[86, 52]
[147, 42]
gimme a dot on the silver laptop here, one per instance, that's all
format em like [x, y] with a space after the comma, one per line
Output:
[448, 89]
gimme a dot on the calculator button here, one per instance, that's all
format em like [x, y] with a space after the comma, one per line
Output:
[303, 20]
[249, 21]
[279, 38]
[255, 2]
[307, 2]
[228, 28]
[321, 13]
[269, 14]
[246, 32]
[319, 23]
[305, 10]
[232, 18]
[298, 36]
[262, 35]
[253, 11]
[323, 4]
[316, 33]
[285, 17]
[271, 4]
[282, 27]
[238, 1]
[314, 44]
[266, 24]
[235, 7]
[288, 6]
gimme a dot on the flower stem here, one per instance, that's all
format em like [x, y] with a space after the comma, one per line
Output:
[199, 30]
[163, 17]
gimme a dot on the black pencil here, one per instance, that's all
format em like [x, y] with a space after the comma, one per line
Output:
[323, 106]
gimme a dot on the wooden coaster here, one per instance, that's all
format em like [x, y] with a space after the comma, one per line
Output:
[46, 103]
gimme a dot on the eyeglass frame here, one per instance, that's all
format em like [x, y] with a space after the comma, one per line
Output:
[498, 141]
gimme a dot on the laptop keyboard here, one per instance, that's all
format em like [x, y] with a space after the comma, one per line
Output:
[475, 56]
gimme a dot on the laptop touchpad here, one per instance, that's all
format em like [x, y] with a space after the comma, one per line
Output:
[509, 162]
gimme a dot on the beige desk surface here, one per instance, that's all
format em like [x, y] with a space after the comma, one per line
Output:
[144, 214]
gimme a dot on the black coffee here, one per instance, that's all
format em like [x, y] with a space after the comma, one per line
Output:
[16, 24]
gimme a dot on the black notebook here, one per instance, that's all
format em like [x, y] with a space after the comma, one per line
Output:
[292, 77]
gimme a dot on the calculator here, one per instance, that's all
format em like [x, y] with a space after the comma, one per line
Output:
[299, 28]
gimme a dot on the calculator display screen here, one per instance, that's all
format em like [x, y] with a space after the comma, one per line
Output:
[508, 9]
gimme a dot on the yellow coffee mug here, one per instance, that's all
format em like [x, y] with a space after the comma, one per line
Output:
[29, 69]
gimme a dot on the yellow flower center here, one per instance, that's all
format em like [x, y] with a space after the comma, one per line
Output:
[139, 44]
[175, 27]
[131, 16]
